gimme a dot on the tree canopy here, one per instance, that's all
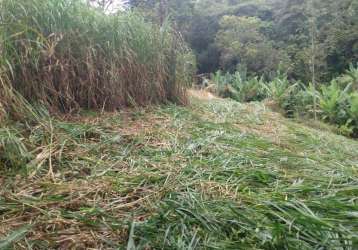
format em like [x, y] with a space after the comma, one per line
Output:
[264, 35]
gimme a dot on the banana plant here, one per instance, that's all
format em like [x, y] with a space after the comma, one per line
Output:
[279, 89]
[332, 101]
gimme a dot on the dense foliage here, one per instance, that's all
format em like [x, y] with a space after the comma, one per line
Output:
[260, 34]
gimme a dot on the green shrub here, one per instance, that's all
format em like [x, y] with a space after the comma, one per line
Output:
[353, 104]
[238, 87]
[353, 113]
[350, 77]
[304, 100]
[333, 102]
[337, 102]
[280, 90]
[248, 90]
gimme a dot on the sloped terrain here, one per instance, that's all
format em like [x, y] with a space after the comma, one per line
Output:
[215, 175]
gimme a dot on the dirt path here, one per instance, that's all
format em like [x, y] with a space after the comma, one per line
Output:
[201, 94]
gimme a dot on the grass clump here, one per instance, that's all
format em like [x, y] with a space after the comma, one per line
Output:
[67, 55]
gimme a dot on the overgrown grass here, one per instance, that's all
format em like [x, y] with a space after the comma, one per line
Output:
[67, 55]
[217, 175]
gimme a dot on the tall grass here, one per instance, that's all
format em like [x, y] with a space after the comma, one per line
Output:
[67, 55]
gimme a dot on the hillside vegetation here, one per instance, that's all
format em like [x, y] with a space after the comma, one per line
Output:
[303, 37]
[215, 175]
[107, 143]
[302, 54]
[335, 102]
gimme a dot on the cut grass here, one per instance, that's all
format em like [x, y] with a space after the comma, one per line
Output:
[216, 175]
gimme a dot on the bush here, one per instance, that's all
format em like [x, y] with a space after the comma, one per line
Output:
[238, 87]
[337, 102]
[333, 102]
[303, 100]
[353, 104]
[349, 78]
[279, 89]
[68, 55]
[353, 113]
[248, 90]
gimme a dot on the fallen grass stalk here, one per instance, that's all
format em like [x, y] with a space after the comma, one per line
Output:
[202, 182]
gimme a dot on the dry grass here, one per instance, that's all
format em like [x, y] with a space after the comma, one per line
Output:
[82, 207]
[201, 94]
[46, 217]
[2, 113]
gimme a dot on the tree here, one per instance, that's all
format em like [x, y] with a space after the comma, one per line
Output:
[241, 41]
[276, 31]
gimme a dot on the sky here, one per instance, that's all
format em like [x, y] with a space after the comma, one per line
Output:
[113, 5]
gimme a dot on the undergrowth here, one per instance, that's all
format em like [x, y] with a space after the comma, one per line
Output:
[334, 102]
